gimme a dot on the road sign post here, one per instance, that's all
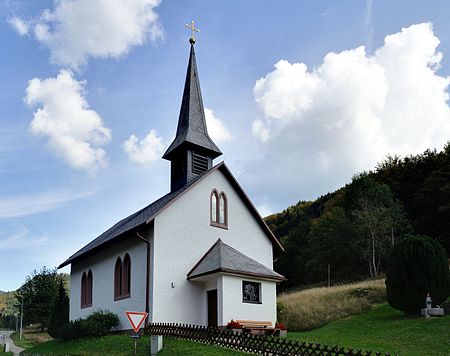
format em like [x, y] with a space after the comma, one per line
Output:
[136, 320]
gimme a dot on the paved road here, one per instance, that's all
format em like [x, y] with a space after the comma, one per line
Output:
[5, 336]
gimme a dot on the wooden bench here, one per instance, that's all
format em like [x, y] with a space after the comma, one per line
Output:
[257, 327]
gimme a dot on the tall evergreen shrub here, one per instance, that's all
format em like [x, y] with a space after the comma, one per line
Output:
[60, 312]
[417, 265]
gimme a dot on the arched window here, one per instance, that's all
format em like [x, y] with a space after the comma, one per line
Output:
[86, 289]
[118, 279]
[122, 278]
[89, 284]
[83, 290]
[126, 270]
[214, 210]
[219, 209]
[223, 209]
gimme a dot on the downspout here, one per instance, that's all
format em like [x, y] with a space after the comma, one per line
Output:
[147, 279]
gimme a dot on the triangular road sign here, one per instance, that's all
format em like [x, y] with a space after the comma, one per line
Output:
[136, 319]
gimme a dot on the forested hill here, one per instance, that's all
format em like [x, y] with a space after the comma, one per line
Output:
[353, 228]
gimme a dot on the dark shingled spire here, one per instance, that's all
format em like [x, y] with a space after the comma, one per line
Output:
[192, 151]
[191, 122]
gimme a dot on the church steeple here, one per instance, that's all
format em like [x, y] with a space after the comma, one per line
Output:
[192, 151]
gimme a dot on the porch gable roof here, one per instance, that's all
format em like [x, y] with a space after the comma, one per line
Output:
[224, 258]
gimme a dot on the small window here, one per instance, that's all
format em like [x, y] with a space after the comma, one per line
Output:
[122, 278]
[251, 292]
[86, 289]
[219, 209]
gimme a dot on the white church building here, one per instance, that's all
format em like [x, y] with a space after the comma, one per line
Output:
[201, 254]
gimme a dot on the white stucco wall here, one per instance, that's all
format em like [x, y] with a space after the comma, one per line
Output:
[234, 308]
[183, 235]
[102, 266]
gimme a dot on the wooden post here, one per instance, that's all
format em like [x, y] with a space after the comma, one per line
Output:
[329, 284]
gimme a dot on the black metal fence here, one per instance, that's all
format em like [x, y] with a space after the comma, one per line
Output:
[246, 342]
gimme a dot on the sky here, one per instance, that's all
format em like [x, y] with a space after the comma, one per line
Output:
[298, 95]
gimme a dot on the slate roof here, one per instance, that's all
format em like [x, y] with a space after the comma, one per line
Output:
[191, 122]
[131, 222]
[147, 214]
[224, 258]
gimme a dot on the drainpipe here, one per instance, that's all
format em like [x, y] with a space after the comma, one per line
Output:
[147, 279]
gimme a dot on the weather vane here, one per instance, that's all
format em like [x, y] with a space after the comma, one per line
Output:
[193, 30]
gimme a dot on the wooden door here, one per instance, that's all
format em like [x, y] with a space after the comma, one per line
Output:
[212, 307]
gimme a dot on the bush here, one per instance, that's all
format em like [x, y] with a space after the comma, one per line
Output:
[101, 322]
[417, 265]
[72, 330]
[60, 312]
[96, 324]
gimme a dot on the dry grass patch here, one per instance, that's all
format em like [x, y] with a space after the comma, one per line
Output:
[32, 335]
[311, 308]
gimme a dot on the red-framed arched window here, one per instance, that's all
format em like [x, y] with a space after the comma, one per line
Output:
[89, 285]
[219, 209]
[214, 211]
[126, 279]
[86, 289]
[122, 278]
[118, 279]
[223, 209]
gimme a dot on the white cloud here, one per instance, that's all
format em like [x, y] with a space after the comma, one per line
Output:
[36, 203]
[264, 210]
[19, 25]
[216, 128]
[20, 238]
[75, 30]
[152, 146]
[74, 132]
[321, 126]
[260, 130]
[144, 151]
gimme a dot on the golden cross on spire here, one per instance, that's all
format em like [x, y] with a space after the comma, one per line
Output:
[193, 30]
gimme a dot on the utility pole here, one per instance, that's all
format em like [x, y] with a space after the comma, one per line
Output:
[21, 320]
[329, 284]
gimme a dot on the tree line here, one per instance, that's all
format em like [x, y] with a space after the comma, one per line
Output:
[351, 231]
[43, 297]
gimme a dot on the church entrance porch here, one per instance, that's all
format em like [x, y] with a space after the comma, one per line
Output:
[229, 297]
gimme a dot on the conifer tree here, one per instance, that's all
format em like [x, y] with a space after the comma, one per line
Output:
[60, 312]
[417, 266]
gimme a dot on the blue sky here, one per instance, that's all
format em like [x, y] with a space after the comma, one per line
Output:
[300, 96]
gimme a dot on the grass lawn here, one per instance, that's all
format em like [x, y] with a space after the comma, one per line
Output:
[381, 328]
[6, 353]
[124, 345]
[386, 330]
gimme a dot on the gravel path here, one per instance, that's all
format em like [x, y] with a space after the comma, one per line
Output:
[13, 348]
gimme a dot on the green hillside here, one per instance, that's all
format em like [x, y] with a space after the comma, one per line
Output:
[400, 195]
